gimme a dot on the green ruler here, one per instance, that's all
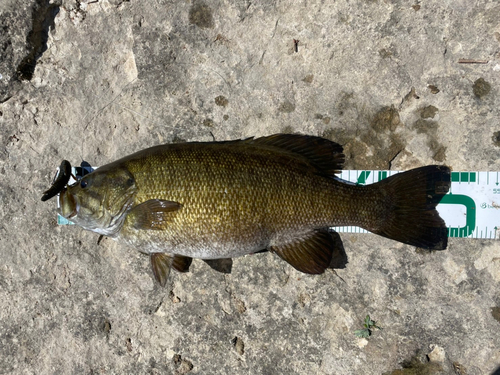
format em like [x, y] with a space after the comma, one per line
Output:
[470, 209]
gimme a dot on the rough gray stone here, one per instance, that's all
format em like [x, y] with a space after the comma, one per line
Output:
[113, 77]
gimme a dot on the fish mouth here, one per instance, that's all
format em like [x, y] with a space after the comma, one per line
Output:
[68, 205]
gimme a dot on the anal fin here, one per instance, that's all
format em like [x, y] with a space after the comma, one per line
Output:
[161, 264]
[309, 254]
[223, 265]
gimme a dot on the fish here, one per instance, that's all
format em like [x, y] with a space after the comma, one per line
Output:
[221, 200]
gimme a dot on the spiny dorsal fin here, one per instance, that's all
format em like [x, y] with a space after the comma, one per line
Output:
[322, 153]
[161, 264]
[310, 254]
[152, 214]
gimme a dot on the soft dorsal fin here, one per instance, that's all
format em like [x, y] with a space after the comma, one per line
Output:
[309, 254]
[325, 155]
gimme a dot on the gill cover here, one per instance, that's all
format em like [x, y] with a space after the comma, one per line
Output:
[100, 200]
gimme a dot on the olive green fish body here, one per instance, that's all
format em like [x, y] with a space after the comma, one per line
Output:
[226, 199]
[235, 199]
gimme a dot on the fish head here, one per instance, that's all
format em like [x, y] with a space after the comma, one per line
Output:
[100, 200]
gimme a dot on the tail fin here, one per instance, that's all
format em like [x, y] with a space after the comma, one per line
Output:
[411, 199]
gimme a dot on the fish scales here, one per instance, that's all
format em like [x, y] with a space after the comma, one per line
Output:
[225, 199]
[235, 195]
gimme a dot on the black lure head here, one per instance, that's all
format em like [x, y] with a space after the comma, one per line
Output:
[60, 181]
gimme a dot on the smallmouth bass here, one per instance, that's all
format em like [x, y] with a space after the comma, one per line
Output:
[217, 200]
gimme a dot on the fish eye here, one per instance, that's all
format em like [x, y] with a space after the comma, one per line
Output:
[84, 183]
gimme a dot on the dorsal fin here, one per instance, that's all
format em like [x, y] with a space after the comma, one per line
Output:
[325, 155]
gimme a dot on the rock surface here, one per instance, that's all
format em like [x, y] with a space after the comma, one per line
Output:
[97, 80]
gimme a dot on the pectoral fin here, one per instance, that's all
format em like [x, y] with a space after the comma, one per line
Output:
[152, 214]
[310, 254]
[161, 264]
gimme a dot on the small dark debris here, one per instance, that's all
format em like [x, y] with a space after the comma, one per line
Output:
[200, 15]
[177, 359]
[128, 344]
[386, 119]
[434, 89]
[411, 95]
[225, 117]
[496, 138]
[308, 78]
[106, 326]
[425, 126]
[495, 313]
[238, 344]
[460, 369]
[481, 88]
[440, 153]
[286, 107]
[416, 7]
[288, 130]
[221, 101]
[99, 240]
[428, 111]
[183, 365]
[415, 366]
[240, 305]
[208, 122]
[178, 139]
[384, 53]
[173, 297]
[118, 2]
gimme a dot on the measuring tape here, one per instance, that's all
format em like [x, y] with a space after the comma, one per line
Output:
[470, 209]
